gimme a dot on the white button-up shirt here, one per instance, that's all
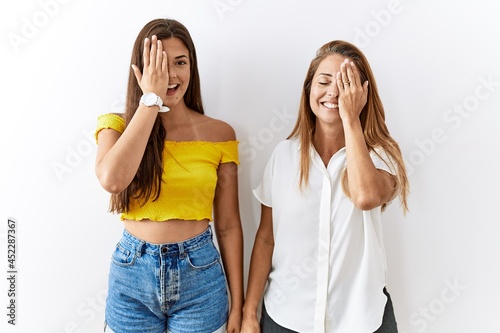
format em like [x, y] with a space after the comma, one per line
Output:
[328, 267]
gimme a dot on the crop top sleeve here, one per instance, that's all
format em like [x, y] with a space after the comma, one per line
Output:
[110, 120]
[189, 177]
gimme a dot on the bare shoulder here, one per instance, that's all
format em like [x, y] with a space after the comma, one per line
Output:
[217, 130]
[224, 131]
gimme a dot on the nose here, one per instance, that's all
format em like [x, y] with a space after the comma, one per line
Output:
[171, 72]
[332, 90]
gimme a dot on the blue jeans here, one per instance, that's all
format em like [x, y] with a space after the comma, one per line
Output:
[174, 287]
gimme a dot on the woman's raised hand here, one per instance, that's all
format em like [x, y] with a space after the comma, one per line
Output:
[154, 76]
[352, 93]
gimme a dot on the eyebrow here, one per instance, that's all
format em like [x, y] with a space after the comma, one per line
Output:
[181, 56]
[325, 74]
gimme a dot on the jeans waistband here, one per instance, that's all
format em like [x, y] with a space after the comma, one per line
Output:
[140, 246]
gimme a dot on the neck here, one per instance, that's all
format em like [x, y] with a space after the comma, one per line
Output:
[179, 107]
[181, 122]
[178, 113]
[327, 140]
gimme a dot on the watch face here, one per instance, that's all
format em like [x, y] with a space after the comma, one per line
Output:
[149, 99]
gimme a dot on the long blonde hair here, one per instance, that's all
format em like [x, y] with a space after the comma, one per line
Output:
[372, 119]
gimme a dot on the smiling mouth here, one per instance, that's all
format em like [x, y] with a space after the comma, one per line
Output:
[330, 105]
[172, 88]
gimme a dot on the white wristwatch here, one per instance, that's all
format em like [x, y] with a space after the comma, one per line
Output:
[151, 99]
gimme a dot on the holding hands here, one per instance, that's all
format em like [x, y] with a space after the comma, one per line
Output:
[154, 76]
[250, 325]
[352, 93]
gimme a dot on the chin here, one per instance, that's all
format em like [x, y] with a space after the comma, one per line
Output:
[330, 119]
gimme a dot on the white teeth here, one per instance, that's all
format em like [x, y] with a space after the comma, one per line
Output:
[172, 86]
[330, 105]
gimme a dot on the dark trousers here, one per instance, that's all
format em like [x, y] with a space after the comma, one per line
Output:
[389, 325]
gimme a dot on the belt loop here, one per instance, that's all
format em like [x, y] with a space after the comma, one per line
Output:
[182, 254]
[140, 247]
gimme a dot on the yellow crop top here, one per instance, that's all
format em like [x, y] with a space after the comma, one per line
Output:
[189, 177]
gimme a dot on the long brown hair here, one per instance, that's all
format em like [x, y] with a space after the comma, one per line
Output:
[148, 179]
[372, 119]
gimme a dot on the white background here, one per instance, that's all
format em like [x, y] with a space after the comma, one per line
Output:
[66, 62]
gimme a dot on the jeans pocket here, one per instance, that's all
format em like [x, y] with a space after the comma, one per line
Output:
[122, 256]
[203, 257]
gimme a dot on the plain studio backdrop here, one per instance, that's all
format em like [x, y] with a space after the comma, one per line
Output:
[436, 64]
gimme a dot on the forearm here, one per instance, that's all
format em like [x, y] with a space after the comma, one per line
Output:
[231, 247]
[118, 166]
[228, 229]
[260, 267]
[366, 186]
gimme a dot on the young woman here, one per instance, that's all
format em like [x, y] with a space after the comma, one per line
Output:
[319, 245]
[167, 166]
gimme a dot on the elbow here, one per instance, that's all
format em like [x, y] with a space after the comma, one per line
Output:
[231, 230]
[367, 201]
[111, 183]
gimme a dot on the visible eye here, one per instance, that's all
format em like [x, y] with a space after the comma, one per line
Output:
[324, 83]
[181, 63]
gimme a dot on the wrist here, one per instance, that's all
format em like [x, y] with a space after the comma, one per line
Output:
[351, 122]
[235, 307]
[150, 99]
[249, 311]
[236, 314]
